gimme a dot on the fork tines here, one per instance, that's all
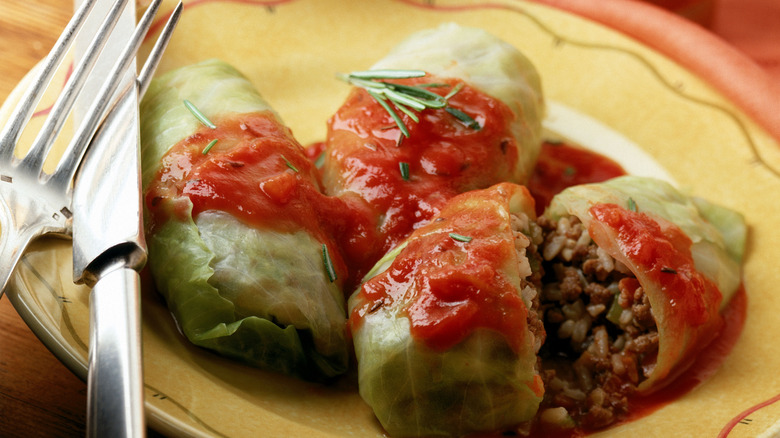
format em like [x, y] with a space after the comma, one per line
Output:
[32, 163]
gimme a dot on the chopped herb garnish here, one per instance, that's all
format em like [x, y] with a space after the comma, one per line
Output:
[460, 237]
[454, 90]
[209, 146]
[464, 118]
[405, 98]
[377, 305]
[289, 164]
[320, 161]
[632, 204]
[199, 115]
[328, 264]
[668, 270]
[569, 171]
[404, 167]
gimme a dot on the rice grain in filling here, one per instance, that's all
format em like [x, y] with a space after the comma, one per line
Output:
[528, 236]
[601, 334]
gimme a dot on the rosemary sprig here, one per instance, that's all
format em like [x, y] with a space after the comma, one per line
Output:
[405, 98]
[198, 114]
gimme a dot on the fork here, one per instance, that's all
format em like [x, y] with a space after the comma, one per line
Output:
[33, 202]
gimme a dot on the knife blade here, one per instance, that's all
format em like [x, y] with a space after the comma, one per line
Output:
[108, 248]
[109, 213]
[108, 242]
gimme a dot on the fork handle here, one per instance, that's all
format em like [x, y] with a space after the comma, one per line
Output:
[115, 381]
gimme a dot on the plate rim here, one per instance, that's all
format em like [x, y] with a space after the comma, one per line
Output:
[735, 75]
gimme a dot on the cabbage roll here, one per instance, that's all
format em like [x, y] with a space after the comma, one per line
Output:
[242, 259]
[488, 132]
[636, 274]
[446, 329]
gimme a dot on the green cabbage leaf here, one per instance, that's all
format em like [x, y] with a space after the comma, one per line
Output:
[259, 295]
[482, 383]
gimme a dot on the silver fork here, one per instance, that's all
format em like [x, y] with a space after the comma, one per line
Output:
[33, 202]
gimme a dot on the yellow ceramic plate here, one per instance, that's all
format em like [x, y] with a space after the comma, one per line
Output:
[606, 91]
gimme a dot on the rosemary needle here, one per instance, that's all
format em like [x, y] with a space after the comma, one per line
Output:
[328, 264]
[289, 164]
[404, 167]
[320, 161]
[632, 204]
[460, 237]
[454, 91]
[209, 146]
[198, 114]
[382, 101]
[464, 118]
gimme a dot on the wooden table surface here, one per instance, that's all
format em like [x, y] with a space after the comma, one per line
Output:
[39, 397]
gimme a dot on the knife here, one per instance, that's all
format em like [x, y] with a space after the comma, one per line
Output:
[108, 249]
[108, 242]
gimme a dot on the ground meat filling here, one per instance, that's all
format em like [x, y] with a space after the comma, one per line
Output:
[601, 333]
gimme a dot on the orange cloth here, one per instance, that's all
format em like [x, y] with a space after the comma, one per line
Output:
[720, 54]
[753, 27]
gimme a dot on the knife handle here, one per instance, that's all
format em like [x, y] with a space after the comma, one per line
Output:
[115, 382]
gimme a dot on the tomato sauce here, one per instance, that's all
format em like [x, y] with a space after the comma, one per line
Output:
[259, 174]
[365, 149]
[562, 165]
[447, 287]
[252, 162]
[663, 256]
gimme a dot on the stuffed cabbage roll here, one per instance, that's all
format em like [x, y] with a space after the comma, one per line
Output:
[242, 259]
[636, 274]
[446, 328]
[486, 129]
